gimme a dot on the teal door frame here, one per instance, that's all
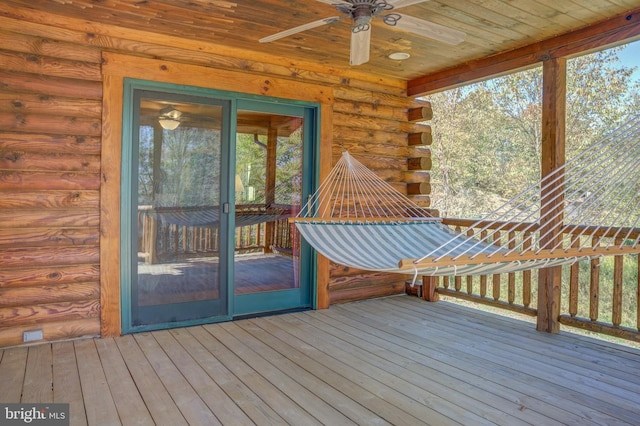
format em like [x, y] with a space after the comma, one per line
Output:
[236, 305]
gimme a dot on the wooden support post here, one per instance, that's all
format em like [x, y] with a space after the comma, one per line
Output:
[270, 183]
[110, 202]
[554, 73]
[429, 285]
[152, 229]
[323, 273]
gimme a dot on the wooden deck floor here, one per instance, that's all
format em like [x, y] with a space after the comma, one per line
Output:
[396, 360]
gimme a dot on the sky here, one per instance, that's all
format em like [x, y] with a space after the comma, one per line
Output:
[630, 57]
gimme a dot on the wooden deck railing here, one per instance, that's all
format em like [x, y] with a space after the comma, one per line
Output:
[158, 241]
[601, 295]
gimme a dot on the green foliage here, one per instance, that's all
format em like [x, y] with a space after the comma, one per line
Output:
[251, 167]
[188, 173]
[487, 136]
[487, 144]
[605, 290]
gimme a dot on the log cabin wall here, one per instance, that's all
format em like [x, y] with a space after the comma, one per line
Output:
[50, 166]
[50, 126]
[375, 128]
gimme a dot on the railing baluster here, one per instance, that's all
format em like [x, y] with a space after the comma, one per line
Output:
[638, 292]
[445, 282]
[470, 233]
[511, 281]
[618, 264]
[526, 275]
[573, 315]
[483, 278]
[176, 238]
[594, 288]
[457, 280]
[574, 277]
[496, 277]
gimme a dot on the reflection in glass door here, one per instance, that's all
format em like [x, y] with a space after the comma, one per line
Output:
[269, 188]
[178, 233]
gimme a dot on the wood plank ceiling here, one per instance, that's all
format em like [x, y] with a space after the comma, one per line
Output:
[491, 27]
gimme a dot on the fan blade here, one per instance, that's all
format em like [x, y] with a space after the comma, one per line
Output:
[334, 2]
[430, 30]
[397, 4]
[300, 28]
[360, 45]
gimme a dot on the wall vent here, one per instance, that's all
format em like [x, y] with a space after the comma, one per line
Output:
[32, 335]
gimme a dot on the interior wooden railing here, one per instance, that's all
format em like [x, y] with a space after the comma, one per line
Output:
[160, 241]
[594, 298]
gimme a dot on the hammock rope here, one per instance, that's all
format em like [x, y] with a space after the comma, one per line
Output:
[589, 207]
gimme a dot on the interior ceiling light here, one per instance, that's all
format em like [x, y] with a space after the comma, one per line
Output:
[399, 56]
[169, 118]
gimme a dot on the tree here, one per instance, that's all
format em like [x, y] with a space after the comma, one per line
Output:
[487, 135]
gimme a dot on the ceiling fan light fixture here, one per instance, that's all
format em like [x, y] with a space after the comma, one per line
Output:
[399, 56]
[168, 123]
[169, 118]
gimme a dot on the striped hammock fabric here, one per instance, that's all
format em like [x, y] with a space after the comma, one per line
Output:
[378, 246]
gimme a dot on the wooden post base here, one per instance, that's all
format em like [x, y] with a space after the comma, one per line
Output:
[429, 285]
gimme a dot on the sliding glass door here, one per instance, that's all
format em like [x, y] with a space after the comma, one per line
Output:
[209, 180]
[176, 197]
[270, 150]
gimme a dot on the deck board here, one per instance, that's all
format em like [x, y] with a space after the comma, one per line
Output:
[150, 387]
[123, 389]
[283, 375]
[580, 382]
[66, 382]
[256, 409]
[271, 388]
[304, 370]
[474, 351]
[207, 389]
[38, 376]
[441, 368]
[12, 368]
[98, 402]
[192, 407]
[463, 393]
[360, 365]
[396, 360]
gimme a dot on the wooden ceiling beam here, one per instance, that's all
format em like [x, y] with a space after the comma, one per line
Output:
[622, 28]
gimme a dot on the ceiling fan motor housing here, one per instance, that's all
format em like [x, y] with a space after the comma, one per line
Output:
[362, 15]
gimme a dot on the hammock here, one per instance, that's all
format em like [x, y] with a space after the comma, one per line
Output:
[209, 216]
[359, 220]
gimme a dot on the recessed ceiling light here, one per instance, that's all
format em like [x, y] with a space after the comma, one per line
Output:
[399, 56]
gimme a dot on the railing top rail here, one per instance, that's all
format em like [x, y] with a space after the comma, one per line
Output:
[533, 227]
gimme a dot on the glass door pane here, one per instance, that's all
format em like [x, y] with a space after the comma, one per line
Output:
[268, 191]
[178, 144]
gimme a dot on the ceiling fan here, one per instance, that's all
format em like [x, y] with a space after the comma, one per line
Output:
[362, 13]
